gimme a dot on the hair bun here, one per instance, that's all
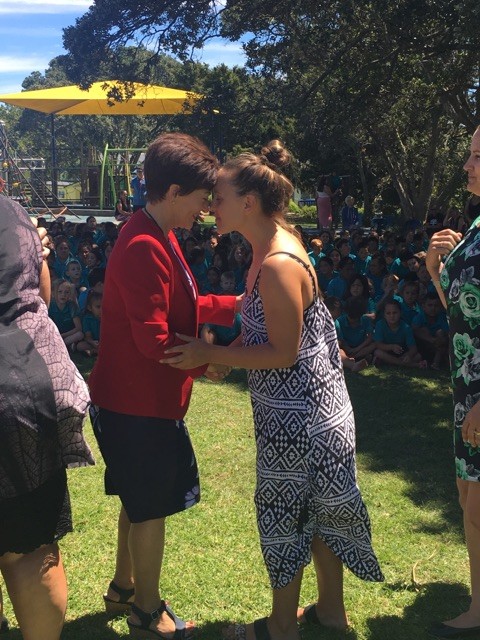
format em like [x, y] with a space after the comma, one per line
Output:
[276, 154]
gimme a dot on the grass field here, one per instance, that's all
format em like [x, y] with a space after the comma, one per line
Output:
[213, 571]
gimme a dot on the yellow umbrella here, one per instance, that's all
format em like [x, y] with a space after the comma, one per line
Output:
[146, 100]
[143, 100]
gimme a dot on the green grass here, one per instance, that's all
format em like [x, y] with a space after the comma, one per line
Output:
[213, 571]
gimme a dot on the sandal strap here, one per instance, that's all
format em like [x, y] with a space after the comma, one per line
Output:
[147, 618]
[261, 629]
[180, 625]
[125, 594]
[310, 614]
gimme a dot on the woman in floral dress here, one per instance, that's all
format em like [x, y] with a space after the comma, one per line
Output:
[457, 281]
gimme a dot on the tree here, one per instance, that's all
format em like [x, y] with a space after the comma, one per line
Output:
[397, 82]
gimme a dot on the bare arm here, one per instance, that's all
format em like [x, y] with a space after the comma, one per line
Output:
[281, 293]
[44, 286]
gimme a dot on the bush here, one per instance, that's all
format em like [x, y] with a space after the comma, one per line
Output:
[294, 208]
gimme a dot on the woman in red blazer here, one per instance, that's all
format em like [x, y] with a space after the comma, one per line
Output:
[138, 403]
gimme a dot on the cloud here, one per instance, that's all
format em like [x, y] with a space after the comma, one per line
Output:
[27, 64]
[28, 32]
[218, 52]
[39, 6]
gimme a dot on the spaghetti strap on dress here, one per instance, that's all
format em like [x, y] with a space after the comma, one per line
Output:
[305, 436]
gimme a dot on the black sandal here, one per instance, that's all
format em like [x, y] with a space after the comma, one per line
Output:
[120, 606]
[310, 615]
[143, 630]
[259, 626]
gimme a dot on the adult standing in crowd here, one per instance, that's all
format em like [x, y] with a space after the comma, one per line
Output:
[43, 401]
[324, 205]
[149, 296]
[307, 499]
[137, 185]
[457, 281]
[123, 207]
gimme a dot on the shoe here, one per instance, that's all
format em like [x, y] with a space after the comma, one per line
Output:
[4, 628]
[310, 615]
[120, 606]
[143, 630]
[441, 630]
[239, 631]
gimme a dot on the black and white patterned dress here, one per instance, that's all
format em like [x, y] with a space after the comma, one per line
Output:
[305, 436]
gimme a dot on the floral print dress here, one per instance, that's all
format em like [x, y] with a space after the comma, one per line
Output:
[460, 281]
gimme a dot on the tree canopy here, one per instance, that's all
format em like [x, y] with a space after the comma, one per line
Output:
[387, 91]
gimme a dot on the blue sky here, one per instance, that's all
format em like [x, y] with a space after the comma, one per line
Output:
[31, 35]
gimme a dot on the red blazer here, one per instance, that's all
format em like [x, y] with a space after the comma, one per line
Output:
[147, 298]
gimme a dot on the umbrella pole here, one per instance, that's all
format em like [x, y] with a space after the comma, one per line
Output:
[54, 160]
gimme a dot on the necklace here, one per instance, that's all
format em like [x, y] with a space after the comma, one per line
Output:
[149, 215]
[174, 251]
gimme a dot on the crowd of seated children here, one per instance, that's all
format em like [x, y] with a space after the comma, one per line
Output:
[65, 312]
[91, 324]
[204, 249]
[77, 271]
[338, 284]
[381, 275]
[74, 274]
[394, 340]
[355, 331]
[430, 328]
[216, 334]
[385, 274]
[219, 265]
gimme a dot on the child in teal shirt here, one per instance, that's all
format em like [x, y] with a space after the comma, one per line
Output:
[394, 340]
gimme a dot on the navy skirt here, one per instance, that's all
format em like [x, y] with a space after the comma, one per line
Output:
[150, 463]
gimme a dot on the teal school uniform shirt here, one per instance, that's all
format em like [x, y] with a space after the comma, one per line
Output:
[353, 335]
[440, 323]
[337, 287]
[226, 335]
[63, 318]
[377, 286]
[361, 266]
[408, 313]
[403, 335]
[92, 324]
[398, 269]
[314, 259]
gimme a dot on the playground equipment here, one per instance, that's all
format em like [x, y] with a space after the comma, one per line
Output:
[23, 179]
[116, 173]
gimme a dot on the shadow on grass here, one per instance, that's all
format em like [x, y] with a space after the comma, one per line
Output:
[93, 626]
[404, 426]
[435, 602]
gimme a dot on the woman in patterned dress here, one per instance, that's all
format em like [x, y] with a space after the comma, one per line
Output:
[43, 402]
[457, 281]
[307, 500]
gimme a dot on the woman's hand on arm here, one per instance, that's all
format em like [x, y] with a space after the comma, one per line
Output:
[281, 293]
[217, 372]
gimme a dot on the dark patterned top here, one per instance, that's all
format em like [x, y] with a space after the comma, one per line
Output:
[460, 280]
[43, 397]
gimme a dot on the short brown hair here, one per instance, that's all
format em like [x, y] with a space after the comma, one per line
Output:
[177, 158]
